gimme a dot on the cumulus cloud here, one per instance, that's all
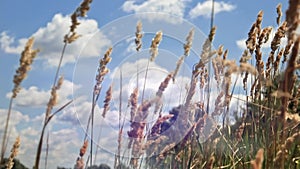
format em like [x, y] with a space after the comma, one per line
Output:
[170, 7]
[204, 9]
[17, 116]
[35, 97]
[241, 44]
[155, 75]
[49, 40]
[78, 113]
[63, 142]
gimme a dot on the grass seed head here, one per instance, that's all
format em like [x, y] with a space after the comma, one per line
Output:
[138, 36]
[14, 152]
[279, 13]
[154, 45]
[26, 60]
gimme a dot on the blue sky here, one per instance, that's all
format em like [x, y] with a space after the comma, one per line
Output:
[109, 23]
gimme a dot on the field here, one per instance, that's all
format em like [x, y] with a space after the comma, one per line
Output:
[193, 107]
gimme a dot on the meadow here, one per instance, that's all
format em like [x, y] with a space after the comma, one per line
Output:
[214, 124]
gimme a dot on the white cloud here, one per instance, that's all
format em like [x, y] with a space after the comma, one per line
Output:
[155, 75]
[78, 113]
[131, 46]
[49, 40]
[35, 97]
[64, 142]
[6, 43]
[30, 132]
[241, 44]
[17, 117]
[204, 9]
[170, 7]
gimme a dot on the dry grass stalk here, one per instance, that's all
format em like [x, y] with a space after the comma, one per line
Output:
[292, 18]
[178, 65]
[155, 138]
[269, 63]
[254, 87]
[84, 7]
[48, 115]
[164, 85]
[191, 92]
[206, 52]
[231, 68]
[286, 87]
[210, 163]
[102, 71]
[201, 122]
[134, 103]
[279, 13]
[287, 82]
[189, 41]
[206, 49]
[277, 61]
[250, 42]
[217, 64]
[285, 148]
[264, 36]
[83, 149]
[216, 71]
[107, 100]
[54, 97]
[156, 128]
[73, 37]
[239, 132]
[244, 59]
[203, 78]
[254, 32]
[14, 152]
[287, 50]
[225, 54]
[246, 67]
[80, 161]
[154, 45]
[280, 33]
[138, 36]
[26, 60]
[81, 11]
[258, 161]
[179, 156]
[258, 21]
[165, 151]
[219, 104]
[295, 101]
[136, 133]
[245, 81]
[161, 89]
[187, 47]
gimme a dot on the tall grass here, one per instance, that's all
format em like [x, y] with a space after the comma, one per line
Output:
[265, 133]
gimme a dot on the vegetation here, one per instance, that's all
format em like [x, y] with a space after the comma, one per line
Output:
[265, 132]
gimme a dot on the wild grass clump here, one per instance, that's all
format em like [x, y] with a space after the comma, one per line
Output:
[263, 132]
[26, 60]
